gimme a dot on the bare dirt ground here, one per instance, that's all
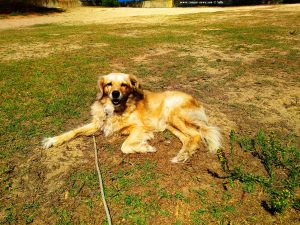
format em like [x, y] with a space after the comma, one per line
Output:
[89, 15]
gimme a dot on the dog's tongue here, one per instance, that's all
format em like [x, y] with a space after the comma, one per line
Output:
[115, 101]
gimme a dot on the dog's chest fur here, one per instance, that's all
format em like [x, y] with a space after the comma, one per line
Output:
[111, 121]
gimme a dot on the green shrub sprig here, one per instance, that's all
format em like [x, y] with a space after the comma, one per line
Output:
[281, 162]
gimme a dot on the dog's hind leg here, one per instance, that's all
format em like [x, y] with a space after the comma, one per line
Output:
[86, 130]
[189, 137]
[137, 142]
[183, 153]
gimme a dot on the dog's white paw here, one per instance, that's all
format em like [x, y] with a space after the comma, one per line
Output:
[127, 150]
[175, 160]
[179, 159]
[151, 149]
[48, 142]
[109, 110]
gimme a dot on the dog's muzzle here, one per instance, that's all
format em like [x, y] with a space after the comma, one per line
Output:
[116, 97]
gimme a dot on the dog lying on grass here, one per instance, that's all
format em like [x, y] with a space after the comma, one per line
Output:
[123, 106]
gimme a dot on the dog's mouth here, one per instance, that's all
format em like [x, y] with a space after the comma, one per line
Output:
[116, 101]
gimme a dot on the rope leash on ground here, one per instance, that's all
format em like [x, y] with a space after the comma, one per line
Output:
[101, 184]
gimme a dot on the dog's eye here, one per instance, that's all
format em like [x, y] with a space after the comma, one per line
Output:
[108, 84]
[124, 85]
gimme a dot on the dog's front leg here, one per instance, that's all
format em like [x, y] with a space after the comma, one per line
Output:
[85, 130]
[99, 116]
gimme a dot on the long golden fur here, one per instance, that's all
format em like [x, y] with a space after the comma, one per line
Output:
[122, 106]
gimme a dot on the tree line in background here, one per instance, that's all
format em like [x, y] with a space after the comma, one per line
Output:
[38, 3]
[20, 6]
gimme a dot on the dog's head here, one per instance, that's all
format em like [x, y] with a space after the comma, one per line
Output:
[118, 87]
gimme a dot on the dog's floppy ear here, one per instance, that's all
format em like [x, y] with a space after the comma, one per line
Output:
[100, 86]
[136, 86]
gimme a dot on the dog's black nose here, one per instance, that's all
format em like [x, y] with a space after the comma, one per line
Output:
[115, 94]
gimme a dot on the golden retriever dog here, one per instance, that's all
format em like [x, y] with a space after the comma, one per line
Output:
[123, 106]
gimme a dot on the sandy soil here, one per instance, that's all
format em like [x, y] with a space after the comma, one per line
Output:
[88, 15]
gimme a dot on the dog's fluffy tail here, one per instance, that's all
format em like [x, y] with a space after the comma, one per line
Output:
[209, 134]
[212, 136]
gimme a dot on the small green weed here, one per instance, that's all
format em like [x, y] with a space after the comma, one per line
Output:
[29, 211]
[179, 196]
[214, 210]
[79, 180]
[164, 212]
[64, 216]
[147, 174]
[133, 200]
[10, 215]
[123, 179]
[163, 193]
[138, 210]
[202, 193]
[197, 216]
[89, 202]
[109, 148]
[178, 222]
[167, 134]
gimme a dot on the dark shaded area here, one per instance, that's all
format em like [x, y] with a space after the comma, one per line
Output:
[20, 7]
[91, 2]
[187, 3]
[112, 3]
[291, 1]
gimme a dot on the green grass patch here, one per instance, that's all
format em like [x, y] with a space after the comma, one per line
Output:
[280, 161]
[79, 180]
[63, 215]
[29, 211]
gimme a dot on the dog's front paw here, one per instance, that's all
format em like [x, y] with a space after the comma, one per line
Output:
[109, 110]
[179, 158]
[174, 160]
[48, 142]
[151, 148]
